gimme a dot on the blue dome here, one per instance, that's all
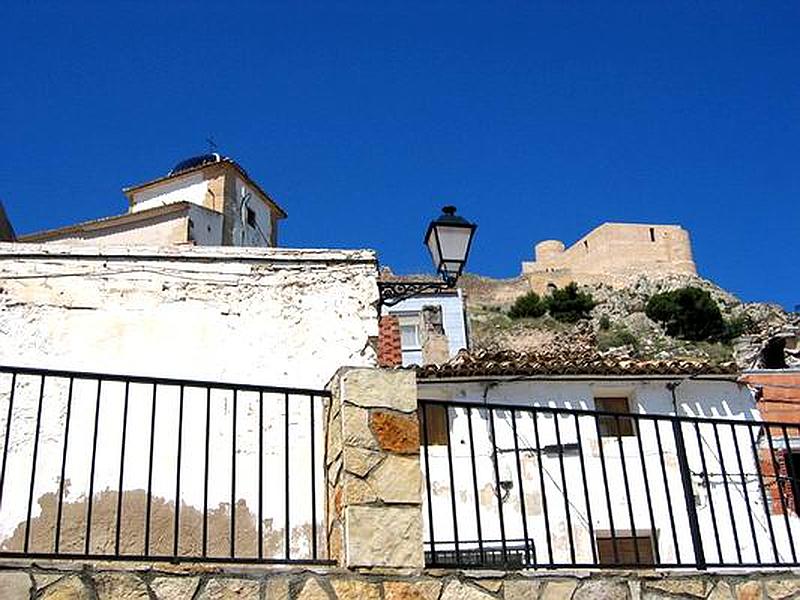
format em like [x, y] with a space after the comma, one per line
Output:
[195, 161]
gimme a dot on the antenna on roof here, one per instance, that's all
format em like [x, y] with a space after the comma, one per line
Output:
[212, 145]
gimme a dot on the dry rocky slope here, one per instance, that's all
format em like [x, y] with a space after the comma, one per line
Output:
[628, 331]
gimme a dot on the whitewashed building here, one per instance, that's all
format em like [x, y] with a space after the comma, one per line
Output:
[513, 451]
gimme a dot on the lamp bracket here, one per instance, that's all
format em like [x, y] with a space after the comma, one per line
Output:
[394, 292]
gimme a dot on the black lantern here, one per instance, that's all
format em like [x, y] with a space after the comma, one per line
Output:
[449, 238]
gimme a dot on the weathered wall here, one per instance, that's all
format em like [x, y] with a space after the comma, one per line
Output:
[279, 317]
[616, 249]
[269, 317]
[717, 399]
[61, 581]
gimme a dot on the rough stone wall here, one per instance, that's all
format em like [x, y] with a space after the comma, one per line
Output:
[373, 466]
[435, 346]
[70, 581]
[619, 250]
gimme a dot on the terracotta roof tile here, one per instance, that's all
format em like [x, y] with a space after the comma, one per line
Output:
[581, 362]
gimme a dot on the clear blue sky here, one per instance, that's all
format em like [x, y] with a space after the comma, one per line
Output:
[538, 120]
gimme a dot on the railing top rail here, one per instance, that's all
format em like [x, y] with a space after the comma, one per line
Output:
[163, 381]
[601, 413]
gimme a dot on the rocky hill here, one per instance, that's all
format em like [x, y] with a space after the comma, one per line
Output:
[619, 326]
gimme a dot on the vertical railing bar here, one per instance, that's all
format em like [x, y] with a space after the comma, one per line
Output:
[627, 489]
[121, 469]
[8, 434]
[564, 487]
[475, 485]
[585, 489]
[767, 512]
[535, 418]
[428, 491]
[287, 530]
[606, 490]
[63, 467]
[33, 465]
[727, 492]
[261, 475]
[523, 509]
[746, 493]
[177, 524]
[452, 484]
[91, 475]
[653, 539]
[688, 494]
[206, 472]
[313, 488]
[233, 473]
[792, 476]
[497, 484]
[780, 493]
[708, 487]
[149, 499]
[667, 493]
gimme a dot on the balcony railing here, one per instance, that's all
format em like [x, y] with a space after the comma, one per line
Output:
[514, 486]
[106, 466]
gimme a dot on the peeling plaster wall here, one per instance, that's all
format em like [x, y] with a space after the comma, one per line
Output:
[711, 399]
[261, 316]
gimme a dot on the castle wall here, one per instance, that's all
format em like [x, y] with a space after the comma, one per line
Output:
[613, 249]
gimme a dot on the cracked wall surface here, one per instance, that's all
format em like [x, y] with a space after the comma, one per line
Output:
[254, 316]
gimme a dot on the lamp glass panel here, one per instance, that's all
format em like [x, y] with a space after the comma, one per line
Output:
[454, 242]
[434, 249]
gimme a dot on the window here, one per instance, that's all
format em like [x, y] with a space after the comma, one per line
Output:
[251, 217]
[626, 548]
[586, 245]
[652, 234]
[435, 419]
[409, 331]
[614, 426]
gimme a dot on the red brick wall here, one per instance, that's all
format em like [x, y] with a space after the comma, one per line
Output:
[389, 351]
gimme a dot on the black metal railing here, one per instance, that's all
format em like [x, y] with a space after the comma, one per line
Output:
[513, 486]
[122, 467]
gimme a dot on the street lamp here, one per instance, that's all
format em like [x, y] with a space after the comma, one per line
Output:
[448, 239]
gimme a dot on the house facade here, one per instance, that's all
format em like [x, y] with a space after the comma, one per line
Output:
[517, 449]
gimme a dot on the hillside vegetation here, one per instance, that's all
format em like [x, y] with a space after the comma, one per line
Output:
[654, 317]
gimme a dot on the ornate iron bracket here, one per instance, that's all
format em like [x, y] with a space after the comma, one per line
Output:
[393, 292]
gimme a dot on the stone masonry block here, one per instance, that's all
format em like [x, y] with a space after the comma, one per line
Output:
[395, 433]
[375, 388]
[384, 536]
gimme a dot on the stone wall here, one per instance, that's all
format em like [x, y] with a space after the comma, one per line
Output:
[619, 250]
[73, 581]
[373, 465]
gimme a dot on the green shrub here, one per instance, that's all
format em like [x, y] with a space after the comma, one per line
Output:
[568, 304]
[615, 336]
[528, 306]
[605, 323]
[687, 313]
[737, 326]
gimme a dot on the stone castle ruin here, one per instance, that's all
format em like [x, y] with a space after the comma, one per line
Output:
[612, 253]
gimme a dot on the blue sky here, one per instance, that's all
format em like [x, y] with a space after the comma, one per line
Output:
[538, 120]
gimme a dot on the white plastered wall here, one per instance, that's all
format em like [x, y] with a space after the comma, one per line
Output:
[258, 316]
[715, 399]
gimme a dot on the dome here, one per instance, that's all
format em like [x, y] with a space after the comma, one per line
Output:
[195, 161]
